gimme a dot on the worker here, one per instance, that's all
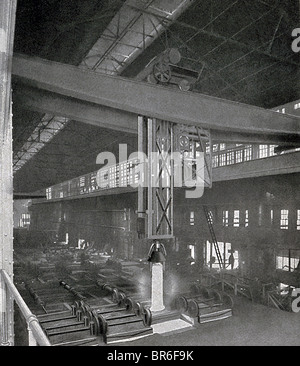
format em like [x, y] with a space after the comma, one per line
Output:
[212, 261]
[231, 261]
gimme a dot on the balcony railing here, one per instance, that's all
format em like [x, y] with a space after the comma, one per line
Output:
[36, 336]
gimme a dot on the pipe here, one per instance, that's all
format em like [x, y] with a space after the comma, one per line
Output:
[30, 318]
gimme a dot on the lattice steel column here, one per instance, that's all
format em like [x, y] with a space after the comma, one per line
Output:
[7, 24]
[160, 179]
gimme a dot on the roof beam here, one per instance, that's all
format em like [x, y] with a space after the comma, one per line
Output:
[151, 100]
[290, 141]
[97, 115]
[75, 109]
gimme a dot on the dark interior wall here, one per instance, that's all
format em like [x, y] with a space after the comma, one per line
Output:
[259, 242]
[107, 222]
[20, 208]
[110, 221]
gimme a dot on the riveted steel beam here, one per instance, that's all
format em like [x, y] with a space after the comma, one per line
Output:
[98, 115]
[151, 100]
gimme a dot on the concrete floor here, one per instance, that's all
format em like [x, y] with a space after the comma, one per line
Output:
[251, 325]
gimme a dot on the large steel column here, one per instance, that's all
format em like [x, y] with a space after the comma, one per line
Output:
[171, 150]
[7, 24]
[156, 139]
[160, 179]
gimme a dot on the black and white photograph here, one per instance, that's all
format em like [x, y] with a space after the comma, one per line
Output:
[149, 176]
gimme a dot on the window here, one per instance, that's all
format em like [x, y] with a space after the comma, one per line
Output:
[259, 215]
[94, 185]
[272, 150]
[246, 218]
[284, 219]
[297, 106]
[215, 161]
[282, 110]
[82, 185]
[130, 172]
[239, 156]
[124, 174]
[25, 220]
[248, 153]
[81, 181]
[230, 157]
[288, 260]
[225, 218]
[236, 218]
[222, 160]
[272, 217]
[207, 148]
[263, 151]
[222, 146]
[284, 288]
[266, 151]
[294, 263]
[49, 193]
[192, 251]
[282, 262]
[103, 178]
[298, 219]
[192, 218]
[211, 258]
[215, 147]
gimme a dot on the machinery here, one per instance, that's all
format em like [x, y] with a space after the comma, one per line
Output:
[164, 69]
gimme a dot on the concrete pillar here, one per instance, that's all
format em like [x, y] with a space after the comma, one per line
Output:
[157, 290]
[7, 24]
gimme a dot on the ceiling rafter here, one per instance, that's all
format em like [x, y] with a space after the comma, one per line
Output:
[38, 139]
[256, 69]
[135, 24]
[219, 92]
[238, 43]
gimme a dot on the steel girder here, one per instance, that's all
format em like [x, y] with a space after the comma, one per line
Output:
[98, 115]
[154, 101]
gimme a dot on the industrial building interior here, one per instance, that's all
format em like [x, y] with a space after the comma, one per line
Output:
[103, 243]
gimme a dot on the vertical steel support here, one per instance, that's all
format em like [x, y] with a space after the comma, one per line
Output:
[141, 190]
[204, 142]
[159, 140]
[7, 24]
[149, 177]
[160, 179]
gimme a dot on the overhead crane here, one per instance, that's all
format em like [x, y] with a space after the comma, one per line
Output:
[161, 112]
[122, 99]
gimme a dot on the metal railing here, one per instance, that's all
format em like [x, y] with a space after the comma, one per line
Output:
[232, 156]
[36, 336]
[240, 285]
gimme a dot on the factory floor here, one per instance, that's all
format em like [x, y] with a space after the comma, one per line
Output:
[251, 325]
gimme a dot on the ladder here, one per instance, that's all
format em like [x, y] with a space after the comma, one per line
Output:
[209, 221]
